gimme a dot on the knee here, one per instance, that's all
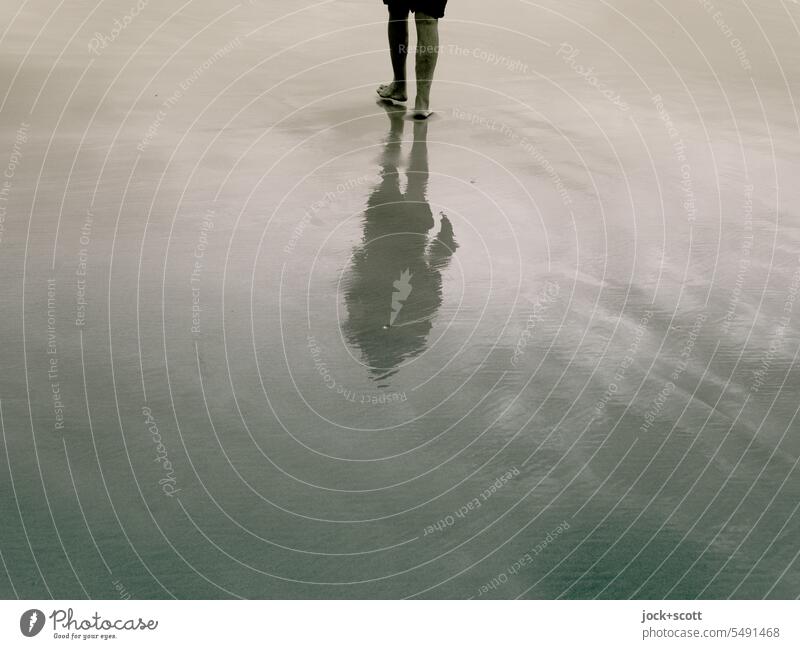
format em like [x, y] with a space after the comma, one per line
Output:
[425, 20]
[427, 29]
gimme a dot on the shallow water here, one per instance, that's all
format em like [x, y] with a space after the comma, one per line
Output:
[543, 345]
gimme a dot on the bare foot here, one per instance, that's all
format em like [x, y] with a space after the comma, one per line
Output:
[394, 91]
[422, 108]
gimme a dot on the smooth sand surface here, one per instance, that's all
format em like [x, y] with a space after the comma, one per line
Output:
[263, 336]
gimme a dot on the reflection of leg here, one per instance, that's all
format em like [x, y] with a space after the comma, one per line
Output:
[398, 47]
[396, 122]
[418, 164]
[427, 56]
[394, 140]
[390, 155]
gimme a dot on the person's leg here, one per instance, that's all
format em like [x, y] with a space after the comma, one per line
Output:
[398, 47]
[427, 56]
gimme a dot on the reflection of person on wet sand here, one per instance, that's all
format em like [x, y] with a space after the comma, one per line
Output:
[394, 287]
[426, 18]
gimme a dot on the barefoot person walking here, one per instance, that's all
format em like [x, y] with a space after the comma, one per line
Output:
[426, 14]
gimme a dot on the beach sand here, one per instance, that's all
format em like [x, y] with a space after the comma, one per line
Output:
[265, 337]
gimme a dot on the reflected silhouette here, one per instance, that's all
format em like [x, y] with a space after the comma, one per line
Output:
[394, 286]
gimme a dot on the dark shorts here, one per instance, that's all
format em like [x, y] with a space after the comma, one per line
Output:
[434, 8]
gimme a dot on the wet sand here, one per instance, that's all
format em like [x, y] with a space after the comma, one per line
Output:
[266, 337]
